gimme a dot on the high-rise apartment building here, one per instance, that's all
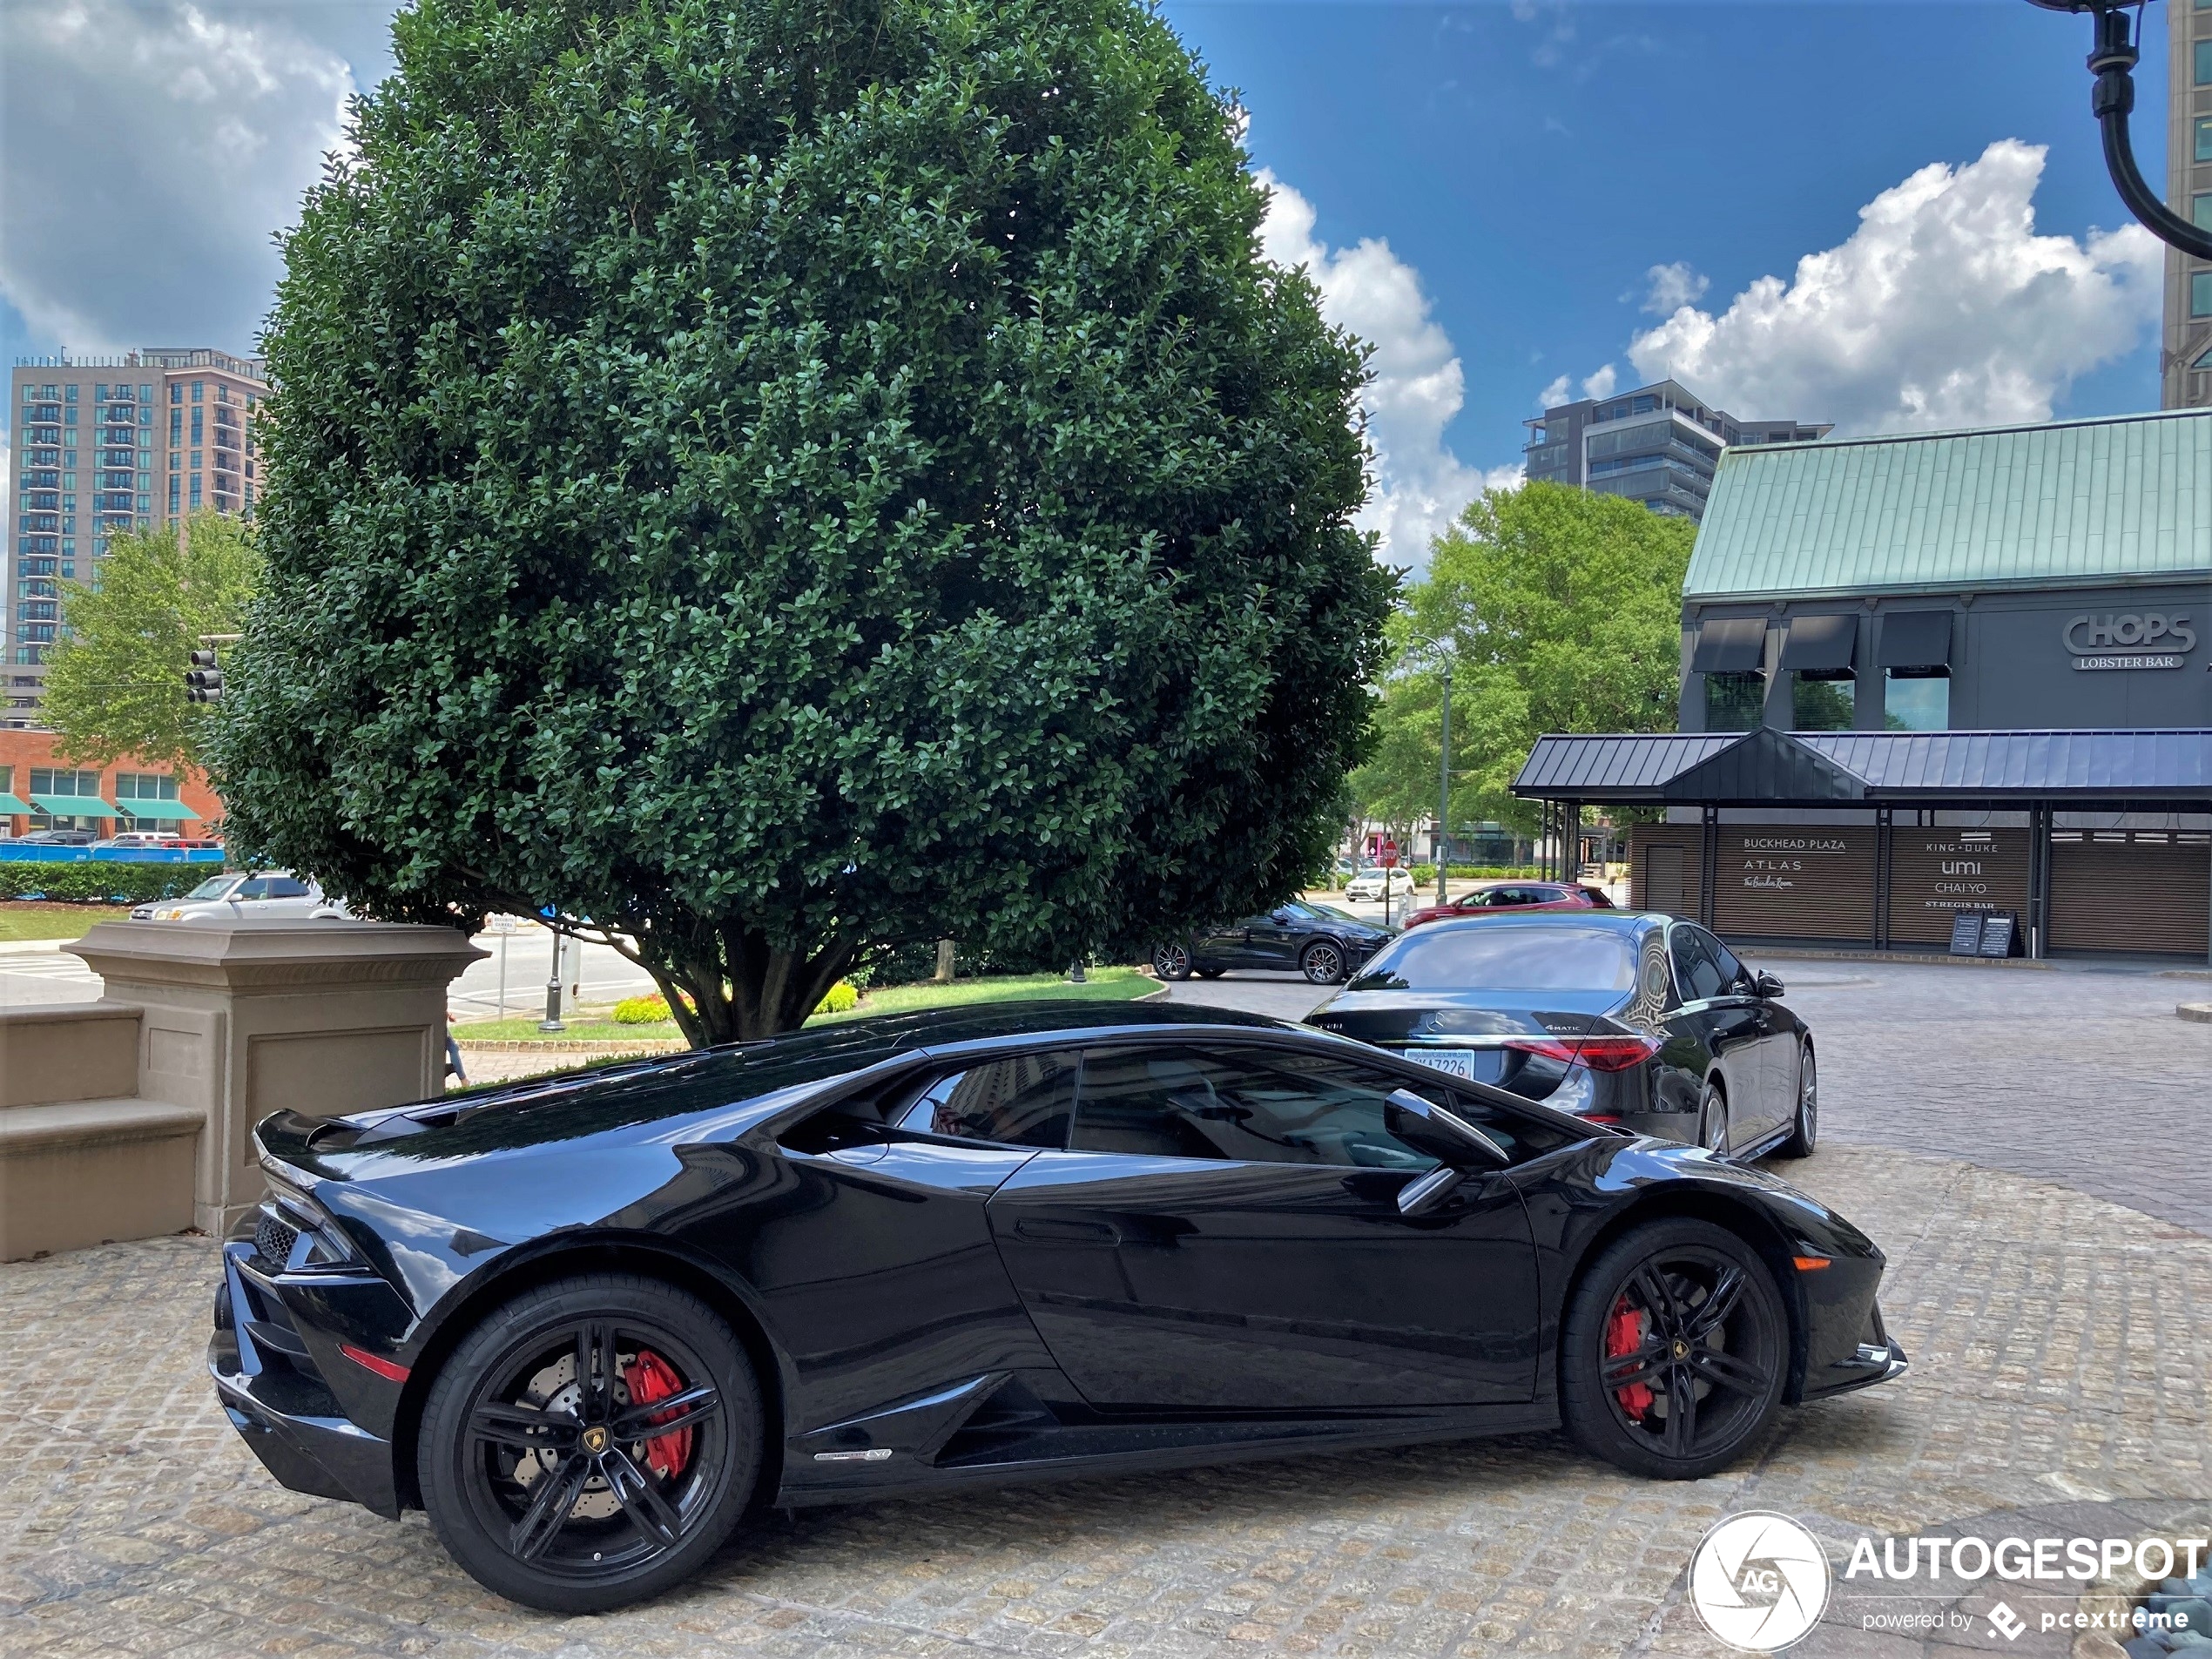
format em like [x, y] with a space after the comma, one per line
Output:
[109, 444]
[1656, 445]
[2185, 362]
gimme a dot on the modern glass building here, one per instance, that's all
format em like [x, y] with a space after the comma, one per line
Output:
[1658, 445]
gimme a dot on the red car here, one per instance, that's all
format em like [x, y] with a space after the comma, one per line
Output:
[1516, 895]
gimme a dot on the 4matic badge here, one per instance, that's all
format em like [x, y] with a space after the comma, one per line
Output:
[1760, 1581]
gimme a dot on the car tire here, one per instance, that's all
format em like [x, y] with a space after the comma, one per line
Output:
[1712, 1118]
[1322, 962]
[1806, 1132]
[481, 1460]
[1644, 1309]
[1172, 961]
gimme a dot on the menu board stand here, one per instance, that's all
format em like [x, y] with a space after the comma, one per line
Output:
[1966, 933]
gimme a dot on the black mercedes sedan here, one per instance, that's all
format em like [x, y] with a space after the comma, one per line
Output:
[1644, 1022]
[1322, 944]
[586, 1321]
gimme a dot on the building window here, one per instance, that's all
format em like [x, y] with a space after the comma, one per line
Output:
[1823, 702]
[2204, 139]
[2201, 293]
[1734, 702]
[2204, 63]
[1917, 699]
[199, 391]
[195, 489]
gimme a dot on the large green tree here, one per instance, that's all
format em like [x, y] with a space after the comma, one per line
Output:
[1560, 610]
[775, 478]
[115, 685]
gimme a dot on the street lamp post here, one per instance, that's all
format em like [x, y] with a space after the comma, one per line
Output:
[2112, 99]
[1444, 789]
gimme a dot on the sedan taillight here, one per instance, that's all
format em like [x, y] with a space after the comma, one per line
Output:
[1606, 1052]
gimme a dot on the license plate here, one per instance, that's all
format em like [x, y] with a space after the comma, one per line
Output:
[1458, 1062]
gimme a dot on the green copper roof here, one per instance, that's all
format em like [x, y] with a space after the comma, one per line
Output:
[2078, 501]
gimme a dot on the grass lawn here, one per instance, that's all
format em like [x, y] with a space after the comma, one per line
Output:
[20, 920]
[1103, 984]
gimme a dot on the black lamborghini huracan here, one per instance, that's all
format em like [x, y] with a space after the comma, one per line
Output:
[585, 1322]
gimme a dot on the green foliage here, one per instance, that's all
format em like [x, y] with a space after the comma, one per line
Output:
[780, 480]
[841, 998]
[641, 1010]
[101, 879]
[117, 683]
[1560, 611]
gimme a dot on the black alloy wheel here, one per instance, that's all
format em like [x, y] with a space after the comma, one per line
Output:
[1675, 1350]
[1322, 961]
[1804, 1134]
[591, 1443]
[1172, 961]
[1712, 1119]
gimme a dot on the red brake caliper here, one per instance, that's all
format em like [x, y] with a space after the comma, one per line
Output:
[1623, 1335]
[652, 1378]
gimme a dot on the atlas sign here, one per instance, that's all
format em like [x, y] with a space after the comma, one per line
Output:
[2130, 639]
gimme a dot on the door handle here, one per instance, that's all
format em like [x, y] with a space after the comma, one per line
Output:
[1041, 1230]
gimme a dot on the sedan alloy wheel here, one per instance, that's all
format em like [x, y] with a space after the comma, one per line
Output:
[1172, 961]
[1323, 961]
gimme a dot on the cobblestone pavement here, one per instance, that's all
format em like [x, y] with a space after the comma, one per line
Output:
[2059, 1342]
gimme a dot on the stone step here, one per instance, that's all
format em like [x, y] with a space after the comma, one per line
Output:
[81, 1172]
[66, 1052]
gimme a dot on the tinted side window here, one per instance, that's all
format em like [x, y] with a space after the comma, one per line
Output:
[1732, 971]
[257, 888]
[1025, 1101]
[1249, 1105]
[1696, 971]
[283, 887]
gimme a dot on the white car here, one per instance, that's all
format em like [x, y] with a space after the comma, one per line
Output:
[244, 895]
[1367, 887]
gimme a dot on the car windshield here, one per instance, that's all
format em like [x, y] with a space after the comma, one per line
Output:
[1503, 957]
[214, 887]
[1313, 911]
[1331, 913]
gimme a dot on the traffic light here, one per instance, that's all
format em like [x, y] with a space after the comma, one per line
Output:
[204, 680]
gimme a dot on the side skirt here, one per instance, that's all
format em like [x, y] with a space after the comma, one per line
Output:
[1094, 1450]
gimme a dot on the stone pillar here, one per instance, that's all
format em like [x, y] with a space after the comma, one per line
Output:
[240, 1019]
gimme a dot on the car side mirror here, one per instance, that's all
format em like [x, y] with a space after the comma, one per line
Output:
[1435, 1132]
[1765, 985]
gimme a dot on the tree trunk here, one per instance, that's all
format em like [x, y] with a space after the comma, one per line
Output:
[742, 988]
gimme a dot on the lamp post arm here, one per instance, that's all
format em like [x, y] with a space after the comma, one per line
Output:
[2112, 100]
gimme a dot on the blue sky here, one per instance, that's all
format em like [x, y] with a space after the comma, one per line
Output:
[1517, 169]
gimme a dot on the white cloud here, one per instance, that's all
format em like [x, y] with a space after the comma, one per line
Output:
[1555, 393]
[1419, 384]
[1602, 383]
[1944, 308]
[149, 152]
[1673, 286]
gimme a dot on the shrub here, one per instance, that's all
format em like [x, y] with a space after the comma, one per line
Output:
[99, 881]
[642, 1010]
[841, 998]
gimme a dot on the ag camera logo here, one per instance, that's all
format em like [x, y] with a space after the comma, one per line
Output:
[1760, 1581]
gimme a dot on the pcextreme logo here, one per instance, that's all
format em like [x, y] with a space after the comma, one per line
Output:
[1760, 1581]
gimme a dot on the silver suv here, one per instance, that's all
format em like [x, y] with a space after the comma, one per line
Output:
[250, 894]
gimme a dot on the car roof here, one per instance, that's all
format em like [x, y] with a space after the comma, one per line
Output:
[1625, 921]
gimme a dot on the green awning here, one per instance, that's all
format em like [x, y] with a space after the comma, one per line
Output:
[161, 809]
[74, 805]
[9, 807]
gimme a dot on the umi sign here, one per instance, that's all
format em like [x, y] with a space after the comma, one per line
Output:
[2091, 639]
